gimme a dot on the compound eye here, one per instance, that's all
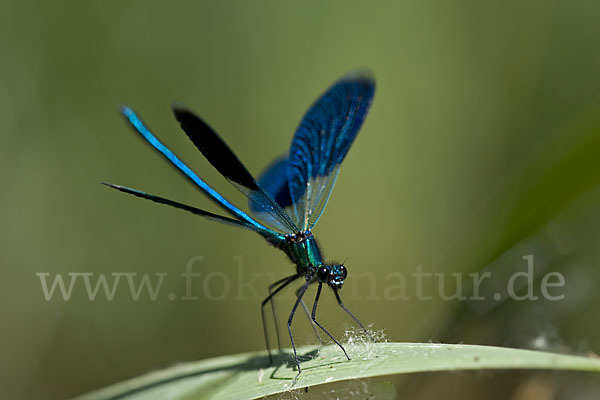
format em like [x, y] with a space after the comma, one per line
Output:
[343, 272]
[323, 274]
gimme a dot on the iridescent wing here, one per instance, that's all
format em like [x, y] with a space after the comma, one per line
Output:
[242, 219]
[321, 142]
[226, 162]
[274, 180]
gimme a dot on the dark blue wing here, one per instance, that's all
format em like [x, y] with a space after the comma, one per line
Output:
[274, 181]
[226, 162]
[322, 141]
[139, 126]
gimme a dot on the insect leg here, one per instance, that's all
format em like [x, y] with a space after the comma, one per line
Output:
[282, 283]
[289, 325]
[271, 286]
[314, 319]
[339, 300]
[312, 324]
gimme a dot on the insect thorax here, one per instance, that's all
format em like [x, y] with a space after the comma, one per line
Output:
[303, 250]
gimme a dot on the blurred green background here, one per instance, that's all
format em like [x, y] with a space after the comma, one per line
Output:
[482, 146]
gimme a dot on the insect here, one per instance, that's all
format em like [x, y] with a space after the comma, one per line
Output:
[290, 196]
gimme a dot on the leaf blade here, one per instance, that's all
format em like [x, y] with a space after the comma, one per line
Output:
[241, 376]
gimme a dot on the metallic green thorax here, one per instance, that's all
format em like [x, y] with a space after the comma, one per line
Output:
[303, 250]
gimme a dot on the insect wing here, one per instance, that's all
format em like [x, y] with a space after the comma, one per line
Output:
[321, 143]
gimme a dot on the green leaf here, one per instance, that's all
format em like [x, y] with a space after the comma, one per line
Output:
[247, 376]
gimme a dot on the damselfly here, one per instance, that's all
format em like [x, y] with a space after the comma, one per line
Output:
[290, 195]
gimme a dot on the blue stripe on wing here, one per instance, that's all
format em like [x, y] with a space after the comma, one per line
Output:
[322, 141]
[139, 126]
